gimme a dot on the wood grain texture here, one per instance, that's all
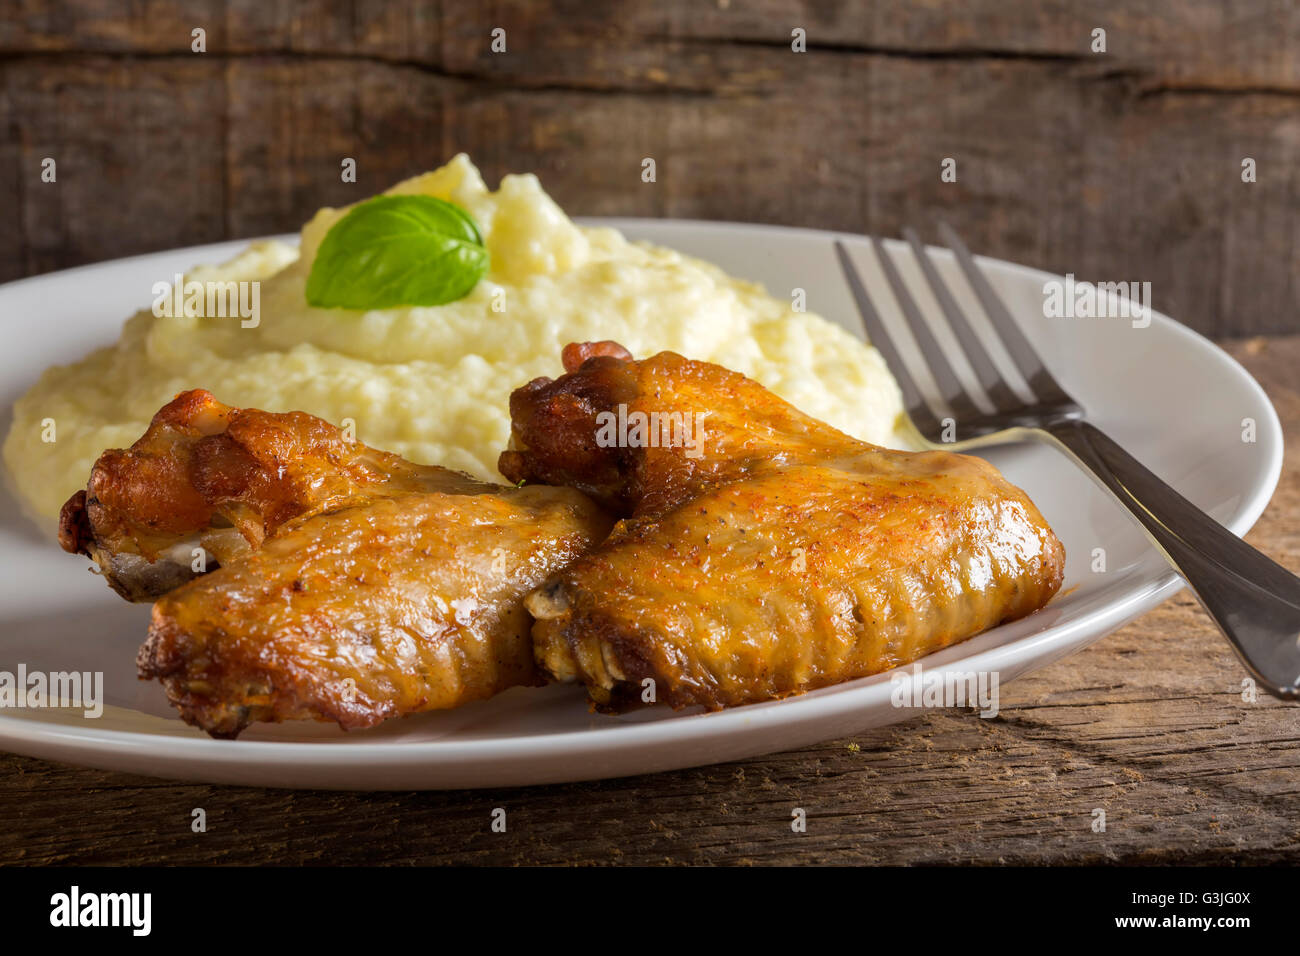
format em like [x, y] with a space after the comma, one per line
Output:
[1123, 166]
[1148, 724]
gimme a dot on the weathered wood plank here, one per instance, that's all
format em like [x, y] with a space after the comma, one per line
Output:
[138, 153]
[1148, 725]
[1098, 164]
[1197, 43]
[1082, 176]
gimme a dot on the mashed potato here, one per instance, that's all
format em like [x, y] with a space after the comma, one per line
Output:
[432, 383]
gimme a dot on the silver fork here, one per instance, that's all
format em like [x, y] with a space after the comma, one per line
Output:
[1254, 601]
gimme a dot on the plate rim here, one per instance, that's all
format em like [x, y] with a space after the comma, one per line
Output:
[183, 752]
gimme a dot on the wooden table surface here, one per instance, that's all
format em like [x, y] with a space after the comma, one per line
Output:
[1147, 724]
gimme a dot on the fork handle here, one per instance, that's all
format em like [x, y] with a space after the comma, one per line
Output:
[1255, 601]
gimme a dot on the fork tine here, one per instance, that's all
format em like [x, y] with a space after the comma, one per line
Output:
[999, 392]
[953, 391]
[1031, 367]
[917, 409]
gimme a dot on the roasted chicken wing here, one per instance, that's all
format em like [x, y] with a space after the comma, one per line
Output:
[405, 604]
[206, 475]
[761, 553]
[351, 585]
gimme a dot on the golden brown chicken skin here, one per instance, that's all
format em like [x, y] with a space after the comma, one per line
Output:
[406, 604]
[207, 475]
[346, 584]
[778, 557]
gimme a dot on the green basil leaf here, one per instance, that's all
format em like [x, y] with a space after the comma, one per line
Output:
[397, 250]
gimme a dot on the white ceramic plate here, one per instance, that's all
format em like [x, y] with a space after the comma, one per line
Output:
[1171, 397]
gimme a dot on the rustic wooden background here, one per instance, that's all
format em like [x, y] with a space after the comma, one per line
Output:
[1117, 166]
